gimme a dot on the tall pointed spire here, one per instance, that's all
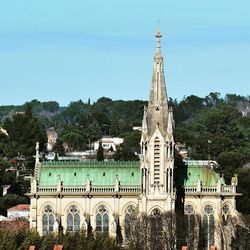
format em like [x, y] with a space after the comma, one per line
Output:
[158, 41]
[158, 106]
[157, 142]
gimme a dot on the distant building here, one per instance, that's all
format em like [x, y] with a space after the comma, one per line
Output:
[52, 137]
[3, 131]
[21, 211]
[72, 156]
[108, 142]
[3, 218]
[182, 150]
[137, 128]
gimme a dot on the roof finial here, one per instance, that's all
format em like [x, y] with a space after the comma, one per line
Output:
[158, 39]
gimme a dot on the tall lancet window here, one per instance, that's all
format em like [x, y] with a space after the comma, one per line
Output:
[157, 160]
[208, 225]
[156, 229]
[73, 219]
[191, 223]
[128, 220]
[102, 220]
[48, 219]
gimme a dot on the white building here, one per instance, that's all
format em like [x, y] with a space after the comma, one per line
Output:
[108, 142]
[3, 218]
[52, 137]
[21, 211]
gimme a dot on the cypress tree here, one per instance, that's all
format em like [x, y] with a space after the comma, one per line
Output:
[100, 153]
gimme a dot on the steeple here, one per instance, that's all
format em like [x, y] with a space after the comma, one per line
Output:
[158, 42]
[157, 114]
[157, 142]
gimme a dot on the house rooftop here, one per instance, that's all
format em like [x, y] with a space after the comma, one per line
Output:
[20, 207]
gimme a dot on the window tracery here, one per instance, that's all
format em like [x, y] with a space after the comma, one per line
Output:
[128, 220]
[156, 228]
[191, 223]
[189, 209]
[48, 219]
[73, 219]
[102, 219]
[156, 213]
[208, 225]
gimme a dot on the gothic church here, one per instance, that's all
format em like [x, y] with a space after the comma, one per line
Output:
[75, 194]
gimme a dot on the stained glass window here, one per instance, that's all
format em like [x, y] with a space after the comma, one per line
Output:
[191, 223]
[73, 219]
[225, 213]
[128, 219]
[156, 229]
[48, 219]
[208, 209]
[189, 209]
[156, 213]
[225, 209]
[208, 225]
[102, 219]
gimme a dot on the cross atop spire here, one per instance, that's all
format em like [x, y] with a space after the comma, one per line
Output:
[158, 41]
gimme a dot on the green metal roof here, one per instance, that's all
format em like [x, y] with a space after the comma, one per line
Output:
[99, 173]
[205, 173]
[105, 173]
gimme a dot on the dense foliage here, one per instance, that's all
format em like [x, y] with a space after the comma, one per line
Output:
[24, 130]
[157, 232]
[23, 239]
[210, 127]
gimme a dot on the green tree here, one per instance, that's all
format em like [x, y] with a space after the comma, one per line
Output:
[24, 131]
[130, 148]
[10, 200]
[58, 147]
[100, 152]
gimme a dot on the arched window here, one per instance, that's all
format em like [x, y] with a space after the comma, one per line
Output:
[157, 160]
[189, 209]
[156, 213]
[48, 219]
[191, 224]
[156, 229]
[128, 219]
[208, 225]
[73, 219]
[225, 212]
[102, 219]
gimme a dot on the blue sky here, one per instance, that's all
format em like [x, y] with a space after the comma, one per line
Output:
[71, 50]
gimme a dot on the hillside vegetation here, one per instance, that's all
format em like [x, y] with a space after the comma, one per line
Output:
[212, 126]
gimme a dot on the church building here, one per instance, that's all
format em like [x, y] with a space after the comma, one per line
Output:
[74, 195]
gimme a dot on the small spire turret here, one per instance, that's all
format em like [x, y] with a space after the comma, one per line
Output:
[37, 152]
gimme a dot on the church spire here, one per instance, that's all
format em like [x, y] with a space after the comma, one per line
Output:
[157, 142]
[157, 115]
[158, 41]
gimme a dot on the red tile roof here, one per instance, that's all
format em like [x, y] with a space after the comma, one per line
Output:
[20, 207]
